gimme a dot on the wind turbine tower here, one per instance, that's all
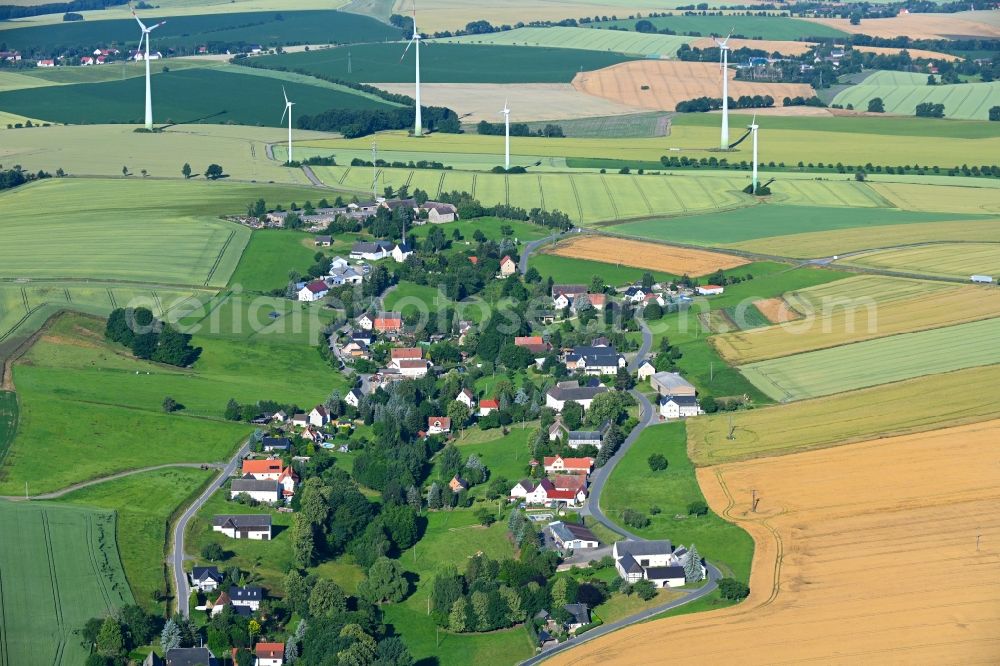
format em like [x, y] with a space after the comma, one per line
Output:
[753, 127]
[724, 65]
[149, 95]
[506, 136]
[415, 42]
[288, 110]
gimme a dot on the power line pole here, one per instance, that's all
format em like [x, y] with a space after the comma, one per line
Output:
[374, 170]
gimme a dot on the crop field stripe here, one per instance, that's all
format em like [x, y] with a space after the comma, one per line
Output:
[673, 193]
[707, 191]
[576, 195]
[642, 195]
[111, 297]
[474, 177]
[611, 197]
[219, 256]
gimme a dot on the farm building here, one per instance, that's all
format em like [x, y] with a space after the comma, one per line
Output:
[314, 291]
[679, 407]
[982, 279]
[439, 213]
[276, 443]
[269, 469]
[263, 491]
[656, 561]
[671, 383]
[410, 367]
[571, 536]
[564, 392]
[193, 656]
[205, 579]
[388, 322]
[371, 250]
[594, 360]
[256, 527]
[560, 465]
[646, 370]
[709, 290]
[507, 267]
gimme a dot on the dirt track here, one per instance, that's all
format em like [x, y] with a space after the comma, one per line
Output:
[652, 256]
[866, 553]
[670, 82]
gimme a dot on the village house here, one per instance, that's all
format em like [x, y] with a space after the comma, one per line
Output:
[266, 491]
[570, 536]
[458, 484]
[353, 398]
[577, 438]
[300, 420]
[205, 579]
[439, 213]
[466, 398]
[570, 291]
[580, 615]
[709, 290]
[288, 479]
[45, 63]
[594, 360]
[634, 294]
[247, 597]
[679, 407]
[507, 267]
[487, 406]
[193, 656]
[256, 527]
[268, 469]
[270, 654]
[371, 250]
[437, 425]
[401, 252]
[319, 417]
[560, 465]
[276, 444]
[534, 343]
[313, 291]
[401, 353]
[646, 370]
[545, 493]
[322, 241]
[596, 301]
[388, 322]
[655, 561]
[671, 383]
[356, 349]
[366, 322]
[567, 391]
[344, 274]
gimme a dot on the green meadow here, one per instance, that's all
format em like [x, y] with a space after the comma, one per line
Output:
[901, 92]
[269, 256]
[750, 27]
[633, 43]
[60, 568]
[566, 270]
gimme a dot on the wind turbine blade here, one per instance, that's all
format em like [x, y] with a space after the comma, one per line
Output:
[284, 94]
[408, 44]
[141, 24]
[156, 26]
[283, 114]
[754, 121]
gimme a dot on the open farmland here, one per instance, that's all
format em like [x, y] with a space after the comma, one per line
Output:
[921, 26]
[644, 44]
[610, 127]
[776, 310]
[585, 197]
[751, 27]
[181, 96]
[837, 543]
[445, 63]
[60, 568]
[880, 411]
[856, 309]
[842, 241]
[942, 198]
[951, 260]
[265, 28]
[880, 361]
[670, 82]
[901, 92]
[652, 256]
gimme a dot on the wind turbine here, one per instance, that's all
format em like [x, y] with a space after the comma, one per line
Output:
[415, 39]
[288, 110]
[753, 127]
[506, 144]
[724, 65]
[149, 95]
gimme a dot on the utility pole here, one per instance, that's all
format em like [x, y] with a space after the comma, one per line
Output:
[374, 170]
[978, 536]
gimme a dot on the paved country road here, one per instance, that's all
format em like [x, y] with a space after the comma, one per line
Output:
[531, 247]
[177, 550]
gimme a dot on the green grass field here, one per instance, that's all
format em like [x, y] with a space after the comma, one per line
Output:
[902, 91]
[566, 270]
[954, 260]
[764, 221]
[750, 27]
[268, 258]
[265, 28]
[60, 567]
[633, 485]
[197, 95]
[8, 420]
[446, 63]
[143, 503]
[874, 362]
[635, 125]
[579, 38]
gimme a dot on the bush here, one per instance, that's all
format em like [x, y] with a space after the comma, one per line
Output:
[635, 519]
[213, 552]
[698, 508]
[875, 105]
[645, 589]
[657, 462]
[732, 589]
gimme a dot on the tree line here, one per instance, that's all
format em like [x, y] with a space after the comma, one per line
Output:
[150, 338]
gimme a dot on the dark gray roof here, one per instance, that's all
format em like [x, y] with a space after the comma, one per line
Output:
[243, 520]
[580, 612]
[577, 393]
[248, 593]
[681, 400]
[640, 548]
[248, 485]
[589, 434]
[629, 564]
[568, 289]
[206, 573]
[372, 246]
[200, 656]
[570, 531]
[276, 442]
[660, 573]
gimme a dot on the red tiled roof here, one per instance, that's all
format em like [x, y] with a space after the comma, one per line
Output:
[270, 650]
[411, 363]
[505, 260]
[407, 352]
[261, 466]
[443, 421]
[317, 287]
[489, 404]
[525, 340]
[570, 463]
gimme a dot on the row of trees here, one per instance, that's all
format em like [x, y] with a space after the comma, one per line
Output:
[519, 129]
[703, 104]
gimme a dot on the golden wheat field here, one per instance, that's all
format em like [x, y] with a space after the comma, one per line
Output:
[942, 198]
[859, 308]
[652, 256]
[919, 26]
[890, 409]
[668, 82]
[865, 554]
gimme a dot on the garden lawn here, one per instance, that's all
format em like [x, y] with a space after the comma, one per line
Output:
[507, 456]
[452, 537]
[144, 504]
[490, 226]
[61, 568]
[633, 485]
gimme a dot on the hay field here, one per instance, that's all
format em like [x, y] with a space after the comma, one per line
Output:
[952, 260]
[814, 374]
[914, 53]
[881, 411]
[671, 82]
[776, 310]
[941, 198]
[636, 43]
[528, 101]
[841, 241]
[794, 48]
[858, 308]
[60, 568]
[901, 92]
[920, 26]
[652, 256]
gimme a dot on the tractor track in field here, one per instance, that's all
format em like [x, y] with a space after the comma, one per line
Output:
[218, 257]
[56, 494]
[4, 649]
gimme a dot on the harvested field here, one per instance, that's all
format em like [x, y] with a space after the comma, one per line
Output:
[914, 53]
[920, 26]
[856, 309]
[841, 241]
[837, 543]
[942, 198]
[883, 411]
[881, 361]
[528, 101]
[652, 256]
[953, 260]
[671, 82]
[794, 48]
[777, 310]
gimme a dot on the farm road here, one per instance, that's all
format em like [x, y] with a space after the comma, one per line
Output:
[104, 479]
[177, 543]
[531, 247]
